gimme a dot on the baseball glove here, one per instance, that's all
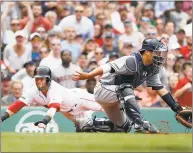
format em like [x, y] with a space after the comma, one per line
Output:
[185, 117]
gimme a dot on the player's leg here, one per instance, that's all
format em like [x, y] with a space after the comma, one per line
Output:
[86, 123]
[132, 109]
[106, 96]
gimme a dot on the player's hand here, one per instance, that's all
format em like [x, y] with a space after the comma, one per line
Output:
[80, 76]
[40, 124]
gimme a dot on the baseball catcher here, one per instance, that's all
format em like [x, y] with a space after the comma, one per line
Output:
[122, 76]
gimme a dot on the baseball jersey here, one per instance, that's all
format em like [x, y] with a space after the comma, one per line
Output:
[56, 94]
[63, 75]
[130, 69]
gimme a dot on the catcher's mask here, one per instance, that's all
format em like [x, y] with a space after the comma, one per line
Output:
[159, 51]
[43, 72]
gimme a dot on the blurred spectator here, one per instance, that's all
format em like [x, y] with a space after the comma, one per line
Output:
[44, 52]
[98, 55]
[52, 17]
[175, 49]
[92, 65]
[149, 97]
[82, 24]
[100, 19]
[181, 37]
[83, 61]
[51, 35]
[170, 30]
[5, 85]
[186, 51]
[108, 28]
[145, 23]
[39, 19]
[170, 62]
[183, 90]
[42, 31]
[148, 11]
[135, 38]
[15, 56]
[16, 91]
[70, 44]
[35, 44]
[108, 46]
[90, 85]
[173, 80]
[165, 38]
[180, 60]
[151, 33]
[127, 49]
[63, 73]
[89, 48]
[25, 75]
[9, 34]
[159, 24]
[98, 32]
[162, 6]
[113, 56]
[63, 12]
[178, 16]
[53, 60]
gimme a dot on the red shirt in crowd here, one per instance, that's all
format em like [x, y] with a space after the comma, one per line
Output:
[186, 98]
[39, 21]
[186, 52]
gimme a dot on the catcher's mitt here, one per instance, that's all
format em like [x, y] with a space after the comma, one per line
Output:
[185, 117]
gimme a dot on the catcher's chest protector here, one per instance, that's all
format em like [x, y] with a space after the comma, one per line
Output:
[139, 76]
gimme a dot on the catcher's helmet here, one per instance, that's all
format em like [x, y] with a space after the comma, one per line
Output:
[42, 72]
[158, 48]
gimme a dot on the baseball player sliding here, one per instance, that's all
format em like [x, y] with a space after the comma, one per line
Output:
[76, 104]
[122, 76]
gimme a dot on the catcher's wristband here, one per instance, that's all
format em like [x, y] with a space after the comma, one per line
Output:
[171, 102]
[5, 116]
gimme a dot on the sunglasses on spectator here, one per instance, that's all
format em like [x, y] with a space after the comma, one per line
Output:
[101, 18]
[41, 31]
[145, 20]
[98, 53]
[166, 38]
[55, 44]
[44, 52]
[15, 24]
[78, 11]
[151, 34]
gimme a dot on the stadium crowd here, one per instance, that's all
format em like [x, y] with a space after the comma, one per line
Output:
[81, 35]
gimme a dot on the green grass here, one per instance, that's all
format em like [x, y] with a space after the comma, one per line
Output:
[88, 142]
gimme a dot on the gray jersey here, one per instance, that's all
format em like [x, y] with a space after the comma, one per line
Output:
[129, 69]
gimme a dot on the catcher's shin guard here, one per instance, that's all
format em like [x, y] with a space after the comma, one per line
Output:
[132, 109]
[126, 127]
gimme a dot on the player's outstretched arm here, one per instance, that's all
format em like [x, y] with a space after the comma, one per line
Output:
[97, 71]
[12, 109]
[53, 108]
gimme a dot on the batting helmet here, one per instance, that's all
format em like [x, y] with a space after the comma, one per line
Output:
[158, 48]
[42, 72]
